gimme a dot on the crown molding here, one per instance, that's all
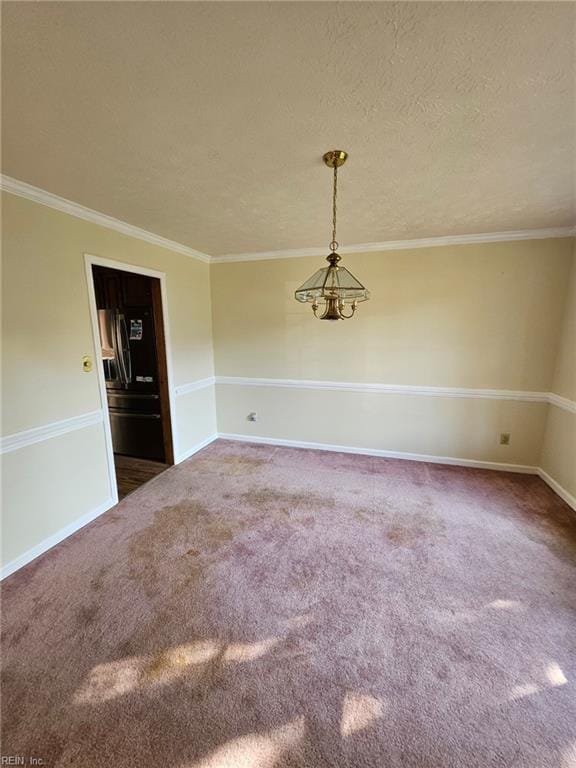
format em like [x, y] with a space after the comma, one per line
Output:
[37, 195]
[399, 245]
[41, 196]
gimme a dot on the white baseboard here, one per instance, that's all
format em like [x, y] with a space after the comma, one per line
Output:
[499, 466]
[195, 448]
[56, 538]
[494, 465]
[63, 533]
[557, 488]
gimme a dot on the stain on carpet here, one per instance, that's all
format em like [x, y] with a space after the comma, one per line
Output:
[172, 529]
[86, 614]
[300, 611]
[97, 581]
[164, 663]
[414, 528]
[231, 465]
[286, 503]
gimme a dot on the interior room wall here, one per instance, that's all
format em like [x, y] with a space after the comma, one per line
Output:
[559, 445]
[457, 345]
[61, 479]
[469, 317]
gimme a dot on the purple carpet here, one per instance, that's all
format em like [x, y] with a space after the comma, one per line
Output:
[261, 607]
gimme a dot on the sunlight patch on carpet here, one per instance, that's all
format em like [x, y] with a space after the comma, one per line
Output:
[358, 712]
[506, 605]
[520, 691]
[249, 651]
[569, 756]
[255, 750]
[555, 675]
[117, 678]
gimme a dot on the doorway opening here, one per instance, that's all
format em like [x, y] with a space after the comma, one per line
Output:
[132, 351]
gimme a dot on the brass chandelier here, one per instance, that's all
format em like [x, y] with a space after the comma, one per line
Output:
[333, 288]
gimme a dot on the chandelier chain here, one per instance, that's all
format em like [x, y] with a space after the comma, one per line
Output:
[333, 292]
[334, 243]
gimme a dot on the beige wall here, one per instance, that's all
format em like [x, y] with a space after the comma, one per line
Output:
[489, 316]
[564, 382]
[477, 316]
[483, 316]
[50, 485]
[559, 445]
[433, 426]
[46, 318]
[46, 331]
[558, 457]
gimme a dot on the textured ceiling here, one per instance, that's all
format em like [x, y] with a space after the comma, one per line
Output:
[205, 122]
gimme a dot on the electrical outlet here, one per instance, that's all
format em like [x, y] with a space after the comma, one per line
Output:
[253, 416]
[504, 438]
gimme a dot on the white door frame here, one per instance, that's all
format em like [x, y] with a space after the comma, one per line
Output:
[89, 261]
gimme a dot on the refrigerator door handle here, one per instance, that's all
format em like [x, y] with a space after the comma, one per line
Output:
[118, 348]
[125, 350]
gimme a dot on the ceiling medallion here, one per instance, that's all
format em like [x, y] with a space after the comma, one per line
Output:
[334, 286]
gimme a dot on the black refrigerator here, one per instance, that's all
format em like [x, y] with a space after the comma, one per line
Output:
[130, 360]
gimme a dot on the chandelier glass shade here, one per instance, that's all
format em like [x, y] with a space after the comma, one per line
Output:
[335, 288]
[333, 291]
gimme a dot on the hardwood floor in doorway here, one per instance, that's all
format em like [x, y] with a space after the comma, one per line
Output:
[131, 473]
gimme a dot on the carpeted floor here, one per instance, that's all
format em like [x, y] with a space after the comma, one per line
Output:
[260, 607]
